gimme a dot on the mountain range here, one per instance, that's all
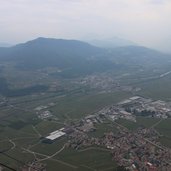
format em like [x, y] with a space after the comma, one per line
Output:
[111, 42]
[77, 58]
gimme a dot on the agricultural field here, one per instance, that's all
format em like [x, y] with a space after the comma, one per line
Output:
[21, 129]
[157, 89]
[162, 126]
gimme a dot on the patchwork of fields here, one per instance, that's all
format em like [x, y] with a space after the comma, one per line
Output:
[21, 130]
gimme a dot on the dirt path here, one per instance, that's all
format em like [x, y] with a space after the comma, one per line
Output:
[50, 157]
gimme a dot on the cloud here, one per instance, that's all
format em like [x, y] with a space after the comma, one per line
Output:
[158, 1]
[144, 21]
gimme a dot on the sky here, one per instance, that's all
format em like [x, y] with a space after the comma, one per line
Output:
[146, 22]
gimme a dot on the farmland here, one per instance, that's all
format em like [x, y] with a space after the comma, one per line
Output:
[22, 129]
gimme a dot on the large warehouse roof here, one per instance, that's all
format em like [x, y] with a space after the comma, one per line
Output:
[54, 135]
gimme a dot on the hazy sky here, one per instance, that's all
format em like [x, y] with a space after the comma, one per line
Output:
[147, 22]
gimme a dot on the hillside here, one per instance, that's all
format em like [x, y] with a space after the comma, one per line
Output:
[42, 52]
[74, 58]
[139, 55]
[42, 64]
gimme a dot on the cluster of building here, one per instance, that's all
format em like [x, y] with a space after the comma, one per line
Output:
[146, 107]
[34, 165]
[112, 113]
[130, 108]
[139, 150]
[104, 82]
[43, 113]
[115, 112]
[53, 136]
[99, 81]
[79, 139]
[136, 151]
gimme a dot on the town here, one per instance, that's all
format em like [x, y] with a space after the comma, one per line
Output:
[138, 150]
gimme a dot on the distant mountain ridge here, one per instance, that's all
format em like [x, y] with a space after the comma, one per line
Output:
[50, 51]
[76, 58]
[111, 42]
[72, 56]
[139, 55]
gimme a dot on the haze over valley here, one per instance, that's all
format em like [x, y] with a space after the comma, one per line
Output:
[85, 85]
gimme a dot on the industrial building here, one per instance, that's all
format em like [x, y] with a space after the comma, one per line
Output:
[53, 136]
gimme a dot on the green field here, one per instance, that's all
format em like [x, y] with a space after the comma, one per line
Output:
[88, 159]
[141, 121]
[157, 89]
[163, 127]
[103, 128]
[20, 126]
[78, 106]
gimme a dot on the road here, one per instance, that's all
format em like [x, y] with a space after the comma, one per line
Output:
[51, 157]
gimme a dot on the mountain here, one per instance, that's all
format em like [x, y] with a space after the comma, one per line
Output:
[111, 42]
[71, 56]
[61, 59]
[43, 51]
[75, 58]
[139, 55]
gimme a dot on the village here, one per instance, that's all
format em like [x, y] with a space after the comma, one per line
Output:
[104, 82]
[138, 150]
[127, 109]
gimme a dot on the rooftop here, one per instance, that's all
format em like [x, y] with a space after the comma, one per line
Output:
[56, 134]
